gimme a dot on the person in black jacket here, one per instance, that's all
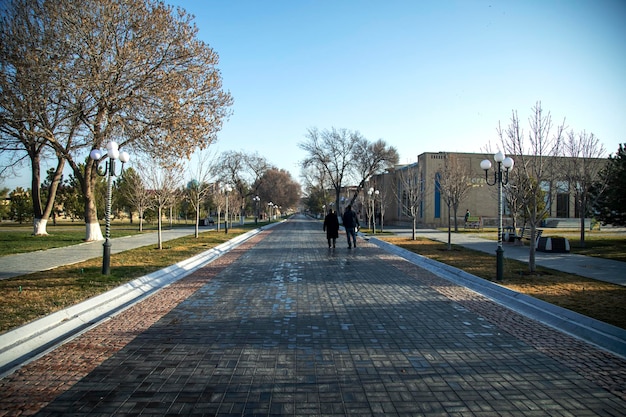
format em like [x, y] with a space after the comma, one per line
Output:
[331, 227]
[350, 222]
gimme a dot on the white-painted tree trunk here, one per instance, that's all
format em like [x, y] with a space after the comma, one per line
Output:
[93, 232]
[39, 227]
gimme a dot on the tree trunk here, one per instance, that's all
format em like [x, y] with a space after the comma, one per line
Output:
[532, 265]
[583, 205]
[40, 222]
[339, 209]
[197, 232]
[414, 227]
[88, 182]
[159, 226]
[92, 226]
[456, 223]
[35, 191]
[450, 229]
[39, 227]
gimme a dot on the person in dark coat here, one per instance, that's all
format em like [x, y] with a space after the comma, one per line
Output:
[351, 223]
[331, 227]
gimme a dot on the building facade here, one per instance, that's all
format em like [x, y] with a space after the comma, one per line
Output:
[416, 187]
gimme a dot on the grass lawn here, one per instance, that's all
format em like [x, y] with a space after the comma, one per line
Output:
[16, 238]
[602, 244]
[601, 300]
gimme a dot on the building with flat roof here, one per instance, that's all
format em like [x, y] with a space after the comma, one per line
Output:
[418, 183]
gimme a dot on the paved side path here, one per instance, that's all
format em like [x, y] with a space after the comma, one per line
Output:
[27, 263]
[293, 328]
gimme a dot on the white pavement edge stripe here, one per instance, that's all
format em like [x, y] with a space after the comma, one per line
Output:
[605, 336]
[26, 343]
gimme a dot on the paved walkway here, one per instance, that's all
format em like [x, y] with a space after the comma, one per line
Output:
[27, 263]
[289, 327]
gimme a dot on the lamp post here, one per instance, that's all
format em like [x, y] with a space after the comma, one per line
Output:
[113, 153]
[506, 163]
[269, 210]
[373, 193]
[227, 189]
[256, 207]
[377, 195]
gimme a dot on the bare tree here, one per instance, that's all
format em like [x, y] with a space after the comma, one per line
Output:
[219, 199]
[134, 192]
[410, 193]
[346, 157]
[201, 172]
[314, 180]
[243, 171]
[532, 168]
[454, 183]
[371, 159]
[583, 167]
[162, 178]
[331, 151]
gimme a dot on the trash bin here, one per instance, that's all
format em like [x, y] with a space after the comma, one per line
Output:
[553, 244]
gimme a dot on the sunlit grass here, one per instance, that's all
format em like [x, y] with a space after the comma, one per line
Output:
[20, 239]
[601, 300]
[31, 296]
[606, 243]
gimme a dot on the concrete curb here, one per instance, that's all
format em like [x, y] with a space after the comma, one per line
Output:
[600, 334]
[31, 340]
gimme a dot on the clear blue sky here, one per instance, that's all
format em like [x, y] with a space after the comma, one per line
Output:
[425, 76]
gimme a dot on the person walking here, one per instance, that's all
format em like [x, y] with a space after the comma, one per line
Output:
[350, 222]
[331, 227]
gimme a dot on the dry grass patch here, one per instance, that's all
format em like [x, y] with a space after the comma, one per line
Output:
[29, 297]
[601, 300]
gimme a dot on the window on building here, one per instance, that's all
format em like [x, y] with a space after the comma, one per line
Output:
[562, 199]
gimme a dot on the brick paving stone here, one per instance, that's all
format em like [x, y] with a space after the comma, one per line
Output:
[285, 326]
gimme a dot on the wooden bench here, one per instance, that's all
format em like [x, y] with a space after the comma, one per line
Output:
[474, 222]
[525, 234]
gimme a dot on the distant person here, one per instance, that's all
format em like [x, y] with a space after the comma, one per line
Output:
[467, 215]
[350, 222]
[331, 227]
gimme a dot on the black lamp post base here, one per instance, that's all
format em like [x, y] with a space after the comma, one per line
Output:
[106, 257]
[499, 263]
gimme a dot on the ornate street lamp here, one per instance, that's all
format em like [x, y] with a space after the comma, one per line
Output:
[377, 195]
[113, 153]
[506, 163]
[256, 206]
[227, 189]
[270, 205]
[373, 193]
